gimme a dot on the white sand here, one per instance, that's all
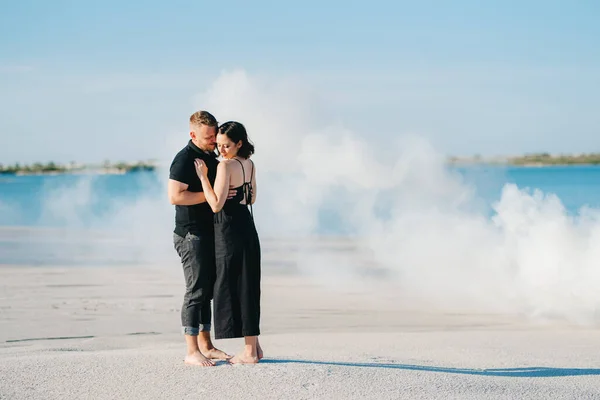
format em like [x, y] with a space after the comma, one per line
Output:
[113, 333]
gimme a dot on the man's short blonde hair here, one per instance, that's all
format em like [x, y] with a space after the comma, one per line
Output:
[203, 118]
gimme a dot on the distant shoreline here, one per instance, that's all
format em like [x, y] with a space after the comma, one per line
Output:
[535, 160]
[532, 160]
[73, 168]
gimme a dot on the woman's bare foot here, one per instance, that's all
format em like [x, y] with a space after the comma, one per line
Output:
[198, 359]
[243, 358]
[215, 354]
[259, 351]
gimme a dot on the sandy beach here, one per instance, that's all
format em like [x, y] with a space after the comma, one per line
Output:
[113, 333]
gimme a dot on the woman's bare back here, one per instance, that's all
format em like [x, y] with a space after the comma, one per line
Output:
[242, 171]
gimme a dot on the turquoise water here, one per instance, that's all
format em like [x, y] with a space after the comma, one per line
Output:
[575, 186]
[135, 204]
[25, 200]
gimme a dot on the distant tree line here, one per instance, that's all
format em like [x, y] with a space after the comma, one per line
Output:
[533, 159]
[52, 167]
[34, 168]
[549, 159]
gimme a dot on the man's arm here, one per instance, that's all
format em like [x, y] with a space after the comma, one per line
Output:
[180, 196]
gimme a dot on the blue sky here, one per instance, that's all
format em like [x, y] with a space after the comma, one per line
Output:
[89, 81]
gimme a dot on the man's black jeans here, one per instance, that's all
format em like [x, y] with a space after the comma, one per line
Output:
[197, 253]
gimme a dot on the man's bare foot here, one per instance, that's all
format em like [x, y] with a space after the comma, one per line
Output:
[198, 359]
[243, 358]
[215, 354]
[259, 351]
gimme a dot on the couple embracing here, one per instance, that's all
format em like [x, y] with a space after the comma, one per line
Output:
[216, 239]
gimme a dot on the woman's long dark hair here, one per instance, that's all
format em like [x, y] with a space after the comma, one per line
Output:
[236, 132]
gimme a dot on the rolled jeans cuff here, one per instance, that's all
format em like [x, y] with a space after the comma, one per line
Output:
[194, 331]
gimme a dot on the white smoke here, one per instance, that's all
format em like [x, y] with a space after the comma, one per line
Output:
[67, 204]
[411, 216]
[87, 226]
[8, 212]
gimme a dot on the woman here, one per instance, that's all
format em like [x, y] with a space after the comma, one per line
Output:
[237, 248]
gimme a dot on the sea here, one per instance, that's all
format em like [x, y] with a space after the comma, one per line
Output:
[126, 219]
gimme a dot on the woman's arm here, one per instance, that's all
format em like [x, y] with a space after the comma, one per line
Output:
[215, 198]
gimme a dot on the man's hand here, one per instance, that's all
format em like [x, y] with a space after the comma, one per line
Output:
[232, 192]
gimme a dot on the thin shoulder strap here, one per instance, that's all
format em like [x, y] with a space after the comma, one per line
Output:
[251, 190]
[251, 171]
[243, 172]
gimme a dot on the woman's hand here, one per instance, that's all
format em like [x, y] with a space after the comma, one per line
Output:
[201, 168]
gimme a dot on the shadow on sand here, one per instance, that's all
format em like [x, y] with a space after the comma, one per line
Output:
[526, 372]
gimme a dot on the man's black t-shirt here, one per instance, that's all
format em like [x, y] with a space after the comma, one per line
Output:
[196, 219]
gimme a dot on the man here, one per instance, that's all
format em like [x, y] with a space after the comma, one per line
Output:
[193, 237]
